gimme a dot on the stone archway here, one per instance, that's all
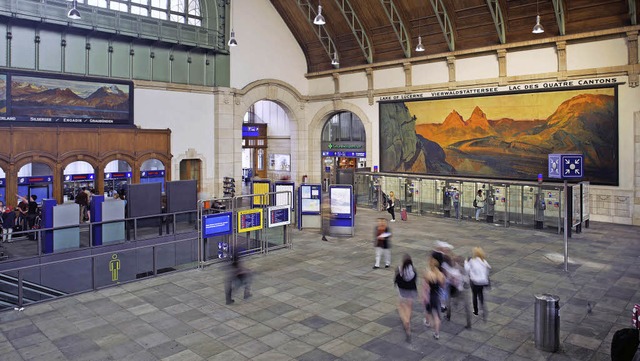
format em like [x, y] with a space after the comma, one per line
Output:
[314, 134]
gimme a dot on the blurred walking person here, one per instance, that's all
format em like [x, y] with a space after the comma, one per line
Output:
[478, 203]
[458, 286]
[433, 282]
[406, 281]
[478, 268]
[381, 243]
[237, 276]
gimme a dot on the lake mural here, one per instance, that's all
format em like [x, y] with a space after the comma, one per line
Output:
[505, 136]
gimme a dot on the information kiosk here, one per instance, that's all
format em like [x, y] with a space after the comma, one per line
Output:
[309, 206]
[342, 221]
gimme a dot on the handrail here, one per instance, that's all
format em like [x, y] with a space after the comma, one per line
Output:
[94, 255]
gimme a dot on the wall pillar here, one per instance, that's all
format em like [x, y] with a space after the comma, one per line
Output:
[502, 67]
[408, 77]
[632, 45]
[451, 64]
[369, 73]
[561, 49]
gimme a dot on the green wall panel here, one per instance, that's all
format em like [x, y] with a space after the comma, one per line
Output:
[161, 71]
[141, 62]
[196, 69]
[210, 74]
[222, 76]
[3, 45]
[179, 67]
[75, 54]
[50, 51]
[120, 66]
[99, 57]
[23, 51]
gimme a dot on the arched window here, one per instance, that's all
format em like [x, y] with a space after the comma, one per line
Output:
[180, 11]
[344, 126]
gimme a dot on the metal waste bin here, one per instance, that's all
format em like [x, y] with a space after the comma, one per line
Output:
[547, 322]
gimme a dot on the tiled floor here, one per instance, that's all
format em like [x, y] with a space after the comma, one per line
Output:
[322, 301]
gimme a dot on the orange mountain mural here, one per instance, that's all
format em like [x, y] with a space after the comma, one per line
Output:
[506, 148]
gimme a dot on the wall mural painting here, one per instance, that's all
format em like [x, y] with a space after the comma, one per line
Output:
[502, 136]
[30, 97]
[3, 93]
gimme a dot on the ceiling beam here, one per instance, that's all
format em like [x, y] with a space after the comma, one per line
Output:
[558, 8]
[445, 22]
[633, 11]
[326, 40]
[399, 28]
[356, 27]
[498, 19]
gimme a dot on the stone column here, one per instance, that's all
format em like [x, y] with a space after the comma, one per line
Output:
[336, 83]
[636, 176]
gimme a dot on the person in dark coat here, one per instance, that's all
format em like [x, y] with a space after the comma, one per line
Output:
[8, 222]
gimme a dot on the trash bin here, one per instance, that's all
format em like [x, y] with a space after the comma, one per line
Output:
[547, 322]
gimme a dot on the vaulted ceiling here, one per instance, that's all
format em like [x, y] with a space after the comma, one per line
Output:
[373, 31]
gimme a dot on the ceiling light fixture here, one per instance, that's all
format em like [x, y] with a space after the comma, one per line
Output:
[74, 13]
[335, 61]
[319, 19]
[537, 29]
[232, 36]
[419, 47]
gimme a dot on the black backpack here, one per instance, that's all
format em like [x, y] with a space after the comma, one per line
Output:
[624, 344]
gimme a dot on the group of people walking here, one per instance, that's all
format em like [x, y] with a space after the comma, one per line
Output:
[445, 284]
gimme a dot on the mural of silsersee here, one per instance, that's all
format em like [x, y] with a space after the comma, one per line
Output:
[502, 136]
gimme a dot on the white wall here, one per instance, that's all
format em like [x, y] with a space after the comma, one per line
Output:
[191, 119]
[266, 48]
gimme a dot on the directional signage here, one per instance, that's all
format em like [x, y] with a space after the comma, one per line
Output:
[566, 166]
[279, 216]
[572, 166]
[216, 224]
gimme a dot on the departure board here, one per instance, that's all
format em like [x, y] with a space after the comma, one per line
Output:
[279, 216]
[250, 220]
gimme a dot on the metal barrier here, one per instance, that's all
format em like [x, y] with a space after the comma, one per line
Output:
[242, 241]
[27, 284]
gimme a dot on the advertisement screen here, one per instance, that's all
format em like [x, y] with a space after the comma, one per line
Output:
[341, 200]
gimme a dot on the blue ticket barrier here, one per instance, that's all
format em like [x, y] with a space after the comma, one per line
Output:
[342, 208]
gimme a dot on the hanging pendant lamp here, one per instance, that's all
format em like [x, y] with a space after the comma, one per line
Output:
[537, 29]
[74, 14]
[319, 19]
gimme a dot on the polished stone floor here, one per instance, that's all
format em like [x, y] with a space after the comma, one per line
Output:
[322, 301]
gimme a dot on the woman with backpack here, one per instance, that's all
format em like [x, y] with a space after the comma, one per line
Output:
[407, 291]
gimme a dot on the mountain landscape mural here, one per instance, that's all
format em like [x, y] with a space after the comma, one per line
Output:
[478, 144]
[31, 96]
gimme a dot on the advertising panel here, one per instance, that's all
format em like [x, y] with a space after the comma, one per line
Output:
[340, 200]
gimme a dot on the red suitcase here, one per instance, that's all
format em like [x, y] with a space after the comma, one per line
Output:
[403, 214]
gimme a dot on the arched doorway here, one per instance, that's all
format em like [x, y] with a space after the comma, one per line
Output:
[191, 169]
[266, 142]
[152, 171]
[343, 147]
[117, 175]
[35, 179]
[78, 176]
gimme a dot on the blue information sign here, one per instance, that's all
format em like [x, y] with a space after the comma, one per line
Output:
[1, 182]
[344, 154]
[217, 224]
[250, 131]
[566, 166]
